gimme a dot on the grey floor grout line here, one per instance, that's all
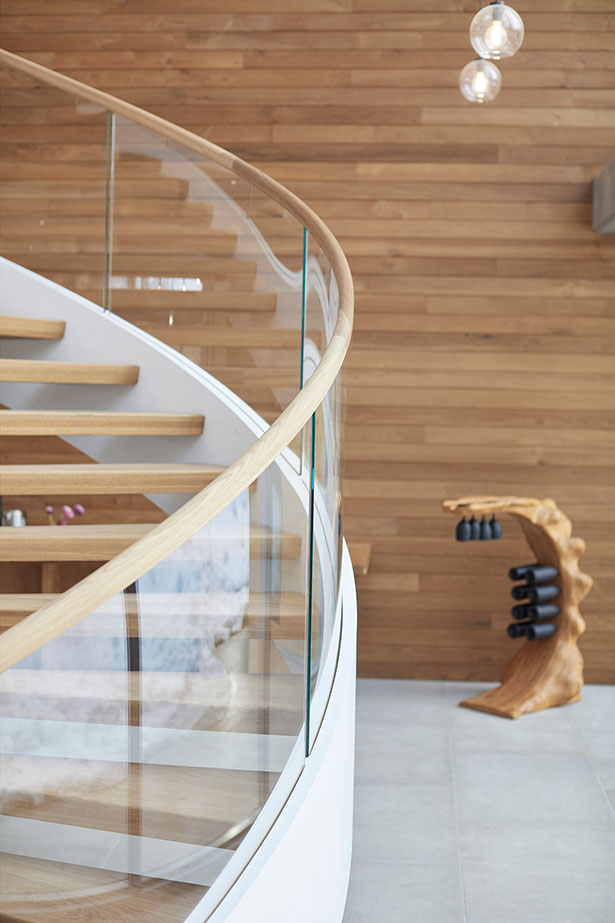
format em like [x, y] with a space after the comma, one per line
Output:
[592, 766]
[457, 823]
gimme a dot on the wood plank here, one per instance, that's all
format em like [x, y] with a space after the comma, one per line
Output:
[31, 328]
[41, 479]
[40, 890]
[360, 554]
[74, 373]
[248, 337]
[101, 423]
[137, 300]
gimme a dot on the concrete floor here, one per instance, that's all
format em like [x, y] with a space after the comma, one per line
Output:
[462, 817]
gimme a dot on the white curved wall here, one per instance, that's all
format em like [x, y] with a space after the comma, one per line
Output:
[300, 872]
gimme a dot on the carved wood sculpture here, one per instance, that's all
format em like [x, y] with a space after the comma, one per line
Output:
[547, 672]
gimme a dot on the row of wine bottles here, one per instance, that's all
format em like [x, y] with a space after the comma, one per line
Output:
[539, 609]
[473, 530]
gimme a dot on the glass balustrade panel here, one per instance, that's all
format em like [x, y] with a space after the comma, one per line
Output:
[322, 305]
[204, 261]
[140, 746]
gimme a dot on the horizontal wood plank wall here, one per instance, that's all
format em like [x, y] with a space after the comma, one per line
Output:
[483, 357]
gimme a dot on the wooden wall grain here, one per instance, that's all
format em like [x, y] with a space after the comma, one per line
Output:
[483, 358]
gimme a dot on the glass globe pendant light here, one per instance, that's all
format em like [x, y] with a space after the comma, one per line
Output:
[480, 81]
[496, 31]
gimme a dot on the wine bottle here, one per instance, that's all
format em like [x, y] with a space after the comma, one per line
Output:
[536, 612]
[485, 530]
[541, 611]
[540, 593]
[474, 529]
[496, 528]
[518, 629]
[520, 592]
[463, 532]
[540, 631]
[541, 573]
[518, 573]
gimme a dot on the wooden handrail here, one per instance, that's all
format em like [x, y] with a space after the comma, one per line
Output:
[84, 597]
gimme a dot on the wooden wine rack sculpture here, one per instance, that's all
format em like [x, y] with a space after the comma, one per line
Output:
[548, 672]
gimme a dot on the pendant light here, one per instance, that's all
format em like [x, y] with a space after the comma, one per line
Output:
[496, 31]
[480, 81]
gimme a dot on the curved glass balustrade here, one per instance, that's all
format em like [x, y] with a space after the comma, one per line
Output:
[140, 745]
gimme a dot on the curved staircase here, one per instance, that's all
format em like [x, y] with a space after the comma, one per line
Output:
[177, 663]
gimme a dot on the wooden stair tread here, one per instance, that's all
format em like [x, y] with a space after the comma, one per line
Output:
[105, 423]
[90, 479]
[204, 701]
[360, 555]
[203, 689]
[182, 803]
[31, 328]
[46, 891]
[76, 373]
[158, 611]
[104, 542]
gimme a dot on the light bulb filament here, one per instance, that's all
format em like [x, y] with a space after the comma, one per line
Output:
[480, 85]
[496, 36]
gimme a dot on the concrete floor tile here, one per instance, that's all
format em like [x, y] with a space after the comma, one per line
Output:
[407, 823]
[549, 731]
[538, 874]
[596, 710]
[401, 702]
[398, 892]
[411, 754]
[551, 788]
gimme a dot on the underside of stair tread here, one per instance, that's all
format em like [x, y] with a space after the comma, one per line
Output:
[76, 373]
[103, 542]
[31, 328]
[182, 803]
[45, 891]
[38, 480]
[98, 423]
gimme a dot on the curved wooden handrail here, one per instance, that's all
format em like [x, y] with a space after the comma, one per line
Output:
[90, 593]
